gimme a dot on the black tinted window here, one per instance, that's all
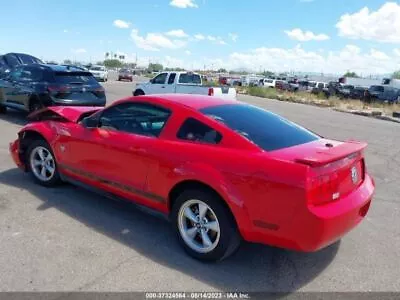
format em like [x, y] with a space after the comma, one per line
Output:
[265, 129]
[75, 78]
[27, 59]
[189, 78]
[136, 118]
[12, 60]
[160, 79]
[196, 131]
[171, 78]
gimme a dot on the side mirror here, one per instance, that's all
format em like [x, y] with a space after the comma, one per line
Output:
[89, 122]
[151, 81]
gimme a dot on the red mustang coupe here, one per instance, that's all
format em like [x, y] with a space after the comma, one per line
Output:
[221, 170]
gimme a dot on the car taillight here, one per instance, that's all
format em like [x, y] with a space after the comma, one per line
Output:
[210, 92]
[324, 189]
[58, 89]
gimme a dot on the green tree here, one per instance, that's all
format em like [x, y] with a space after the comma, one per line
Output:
[222, 70]
[155, 67]
[100, 63]
[112, 63]
[351, 74]
[396, 75]
[174, 69]
[267, 73]
[67, 62]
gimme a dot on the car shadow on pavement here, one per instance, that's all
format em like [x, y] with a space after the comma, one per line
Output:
[14, 117]
[253, 268]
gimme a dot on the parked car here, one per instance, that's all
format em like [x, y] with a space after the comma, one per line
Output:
[319, 87]
[212, 166]
[268, 83]
[182, 83]
[358, 92]
[99, 72]
[345, 91]
[125, 74]
[31, 87]
[10, 60]
[382, 93]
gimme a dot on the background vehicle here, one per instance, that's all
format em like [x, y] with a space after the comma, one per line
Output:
[358, 92]
[30, 87]
[269, 83]
[125, 74]
[182, 83]
[99, 72]
[287, 187]
[382, 93]
[10, 60]
[345, 91]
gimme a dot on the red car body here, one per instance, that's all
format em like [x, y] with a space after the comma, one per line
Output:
[303, 197]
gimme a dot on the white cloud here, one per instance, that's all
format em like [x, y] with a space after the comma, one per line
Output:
[305, 36]
[155, 41]
[121, 24]
[199, 37]
[396, 52]
[233, 36]
[211, 38]
[382, 25]
[78, 51]
[65, 31]
[179, 33]
[187, 52]
[183, 3]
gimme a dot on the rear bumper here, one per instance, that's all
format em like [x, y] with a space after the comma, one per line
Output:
[101, 102]
[315, 227]
[125, 77]
[15, 154]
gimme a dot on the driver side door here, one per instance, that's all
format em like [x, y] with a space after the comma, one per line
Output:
[115, 153]
[158, 84]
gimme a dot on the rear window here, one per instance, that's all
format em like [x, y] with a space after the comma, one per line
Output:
[189, 78]
[27, 59]
[75, 78]
[265, 129]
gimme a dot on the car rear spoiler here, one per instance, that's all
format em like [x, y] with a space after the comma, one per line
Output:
[62, 113]
[332, 154]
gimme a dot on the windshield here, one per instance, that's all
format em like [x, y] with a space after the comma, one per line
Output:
[265, 129]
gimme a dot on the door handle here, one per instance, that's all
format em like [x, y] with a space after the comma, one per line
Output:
[163, 87]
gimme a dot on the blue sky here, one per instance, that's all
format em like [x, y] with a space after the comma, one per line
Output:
[300, 35]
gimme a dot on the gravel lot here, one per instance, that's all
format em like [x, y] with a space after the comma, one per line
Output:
[67, 239]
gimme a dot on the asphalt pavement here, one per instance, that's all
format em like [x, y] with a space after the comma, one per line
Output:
[68, 239]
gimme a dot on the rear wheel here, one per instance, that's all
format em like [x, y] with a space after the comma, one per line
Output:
[3, 109]
[42, 164]
[204, 226]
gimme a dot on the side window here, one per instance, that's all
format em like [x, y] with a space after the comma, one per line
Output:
[171, 78]
[160, 79]
[196, 131]
[31, 74]
[15, 75]
[137, 118]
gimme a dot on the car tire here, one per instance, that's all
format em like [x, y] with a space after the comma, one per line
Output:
[3, 109]
[138, 93]
[39, 156]
[201, 240]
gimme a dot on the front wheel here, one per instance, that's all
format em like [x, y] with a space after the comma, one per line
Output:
[3, 109]
[204, 226]
[42, 164]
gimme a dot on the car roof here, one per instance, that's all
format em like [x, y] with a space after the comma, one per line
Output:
[62, 68]
[196, 102]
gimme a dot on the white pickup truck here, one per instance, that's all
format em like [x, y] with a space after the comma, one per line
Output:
[181, 83]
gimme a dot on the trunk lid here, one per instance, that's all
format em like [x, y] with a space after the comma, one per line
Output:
[62, 113]
[76, 86]
[335, 168]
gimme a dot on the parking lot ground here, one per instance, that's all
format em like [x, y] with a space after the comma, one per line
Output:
[68, 239]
